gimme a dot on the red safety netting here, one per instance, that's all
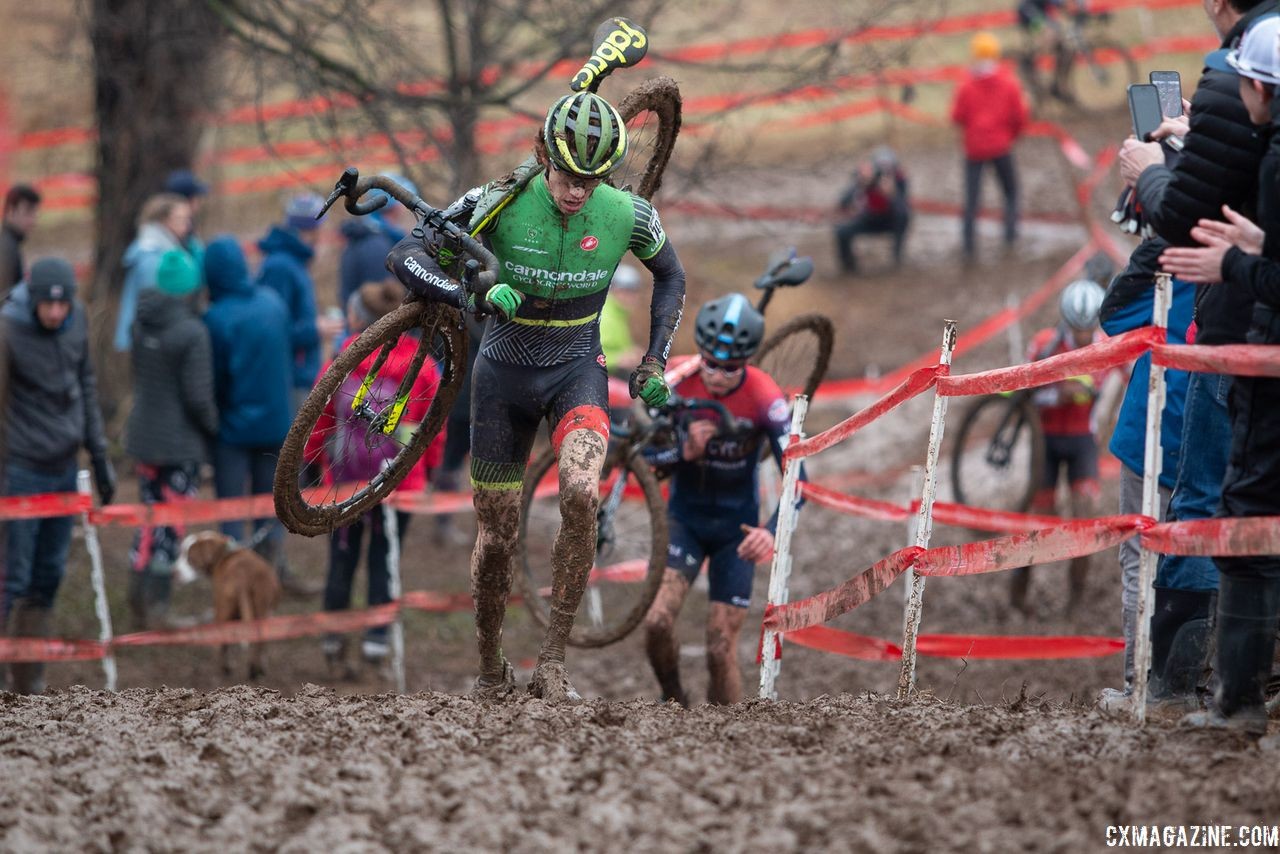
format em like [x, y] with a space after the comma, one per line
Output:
[853, 505]
[972, 647]
[1239, 360]
[1228, 537]
[919, 381]
[1086, 360]
[830, 604]
[44, 506]
[1071, 539]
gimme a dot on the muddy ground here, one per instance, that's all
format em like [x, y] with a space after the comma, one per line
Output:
[250, 769]
[997, 755]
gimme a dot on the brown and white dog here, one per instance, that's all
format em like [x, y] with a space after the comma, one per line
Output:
[245, 586]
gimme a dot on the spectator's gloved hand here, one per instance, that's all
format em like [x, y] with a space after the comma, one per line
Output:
[648, 383]
[104, 478]
[505, 299]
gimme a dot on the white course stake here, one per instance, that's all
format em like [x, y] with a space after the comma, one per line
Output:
[924, 522]
[780, 572]
[391, 527]
[913, 525]
[99, 583]
[1151, 465]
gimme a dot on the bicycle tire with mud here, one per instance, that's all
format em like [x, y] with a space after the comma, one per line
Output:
[816, 325]
[539, 607]
[292, 507]
[660, 97]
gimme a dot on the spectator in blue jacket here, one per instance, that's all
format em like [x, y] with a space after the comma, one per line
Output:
[369, 240]
[249, 331]
[287, 251]
[1129, 305]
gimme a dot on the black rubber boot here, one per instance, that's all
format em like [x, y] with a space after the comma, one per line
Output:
[1179, 645]
[28, 621]
[1246, 636]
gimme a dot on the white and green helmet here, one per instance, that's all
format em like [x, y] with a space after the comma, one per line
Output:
[585, 135]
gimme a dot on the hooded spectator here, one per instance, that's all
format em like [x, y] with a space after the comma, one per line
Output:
[165, 224]
[50, 411]
[249, 330]
[21, 204]
[173, 422]
[288, 249]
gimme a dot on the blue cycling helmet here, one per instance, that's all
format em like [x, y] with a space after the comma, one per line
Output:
[729, 328]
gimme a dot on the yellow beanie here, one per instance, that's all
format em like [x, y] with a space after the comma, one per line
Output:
[984, 45]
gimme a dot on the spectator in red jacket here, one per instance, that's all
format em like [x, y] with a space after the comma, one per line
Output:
[991, 111]
[357, 461]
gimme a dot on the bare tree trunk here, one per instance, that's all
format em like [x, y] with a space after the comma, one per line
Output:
[152, 78]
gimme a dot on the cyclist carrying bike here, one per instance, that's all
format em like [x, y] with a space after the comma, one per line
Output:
[1066, 414]
[558, 232]
[714, 512]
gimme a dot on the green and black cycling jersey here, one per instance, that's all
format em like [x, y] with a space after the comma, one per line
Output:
[546, 362]
[563, 266]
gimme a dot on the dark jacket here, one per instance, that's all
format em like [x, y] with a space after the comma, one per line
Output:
[1129, 305]
[10, 259]
[249, 331]
[1219, 165]
[1253, 467]
[1257, 277]
[364, 259]
[174, 416]
[51, 409]
[284, 270]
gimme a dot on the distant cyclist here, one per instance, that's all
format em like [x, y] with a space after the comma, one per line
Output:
[1070, 431]
[558, 232]
[714, 512]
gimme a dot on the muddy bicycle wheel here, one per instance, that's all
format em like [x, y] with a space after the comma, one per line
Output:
[370, 424]
[1093, 76]
[998, 453]
[631, 549]
[798, 354]
[652, 114]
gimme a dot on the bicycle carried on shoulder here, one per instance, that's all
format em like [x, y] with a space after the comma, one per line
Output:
[358, 388]
[631, 543]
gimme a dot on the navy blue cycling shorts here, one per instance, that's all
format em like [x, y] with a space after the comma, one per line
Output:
[697, 538]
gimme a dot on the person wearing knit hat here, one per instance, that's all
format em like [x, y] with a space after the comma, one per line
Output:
[44, 369]
[991, 112]
[173, 422]
[177, 274]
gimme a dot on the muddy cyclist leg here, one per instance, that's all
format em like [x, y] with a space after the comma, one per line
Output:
[724, 624]
[660, 637]
[498, 518]
[581, 458]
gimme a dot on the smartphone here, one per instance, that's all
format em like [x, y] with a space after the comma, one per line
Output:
[1144, 109]
[1170, 85]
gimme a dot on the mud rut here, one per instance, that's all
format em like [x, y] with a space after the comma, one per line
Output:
[979, 763]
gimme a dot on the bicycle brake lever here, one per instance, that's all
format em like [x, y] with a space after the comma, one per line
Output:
[346, 183]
